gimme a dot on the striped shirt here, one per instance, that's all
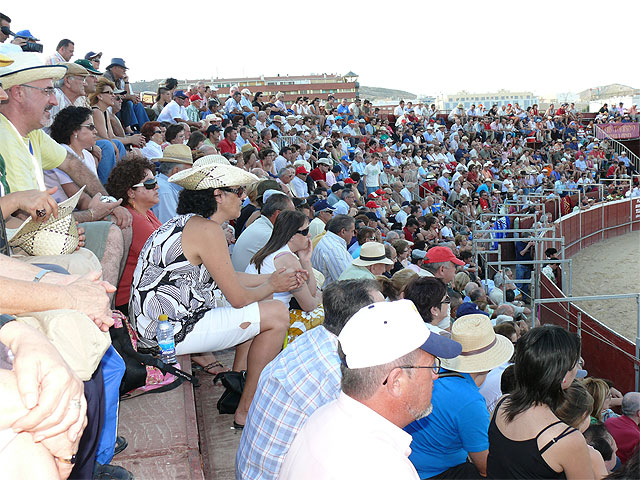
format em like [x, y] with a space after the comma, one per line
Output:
[330, 256]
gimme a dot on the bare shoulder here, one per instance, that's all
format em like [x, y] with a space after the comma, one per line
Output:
[201, 236]
[286, 260]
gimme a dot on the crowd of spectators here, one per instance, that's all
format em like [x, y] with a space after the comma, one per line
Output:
[256, 223]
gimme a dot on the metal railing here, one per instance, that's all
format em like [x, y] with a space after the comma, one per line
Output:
[636, 366]
[618, 147]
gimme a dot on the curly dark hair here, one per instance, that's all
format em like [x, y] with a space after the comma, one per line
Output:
[200, 202]
[68, 121]
[126, 174]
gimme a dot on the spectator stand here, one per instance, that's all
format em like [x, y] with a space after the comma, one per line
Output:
[618, 147]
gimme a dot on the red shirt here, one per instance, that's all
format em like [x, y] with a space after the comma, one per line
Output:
[626, 433]
[318, 174]
[225, 146]
[143, 226]
[408, 236]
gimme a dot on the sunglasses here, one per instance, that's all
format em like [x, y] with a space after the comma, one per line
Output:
[304, 232]
[90, 126]
[148, 184]
[157, 131]
[236, 191]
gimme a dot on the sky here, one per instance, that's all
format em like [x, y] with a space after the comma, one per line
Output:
[425, 47]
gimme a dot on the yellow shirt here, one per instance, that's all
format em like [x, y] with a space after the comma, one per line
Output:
[17, 165]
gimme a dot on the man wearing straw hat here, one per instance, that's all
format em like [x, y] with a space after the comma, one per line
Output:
[371, 262]
[175, 158]
[25, 149]
[458, 426]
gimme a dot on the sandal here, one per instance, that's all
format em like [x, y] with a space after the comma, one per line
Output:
[213, 368]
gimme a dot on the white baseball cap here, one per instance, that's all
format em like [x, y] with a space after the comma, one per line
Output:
[385, 331]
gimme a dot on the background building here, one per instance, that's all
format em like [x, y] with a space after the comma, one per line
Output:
[502, 97]
[340, 86]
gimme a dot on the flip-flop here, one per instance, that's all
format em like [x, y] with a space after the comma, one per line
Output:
[207, 368]
[237, 426]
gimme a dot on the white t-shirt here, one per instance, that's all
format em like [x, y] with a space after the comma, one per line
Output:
[171, 111]
[57, 178]
[372, 173]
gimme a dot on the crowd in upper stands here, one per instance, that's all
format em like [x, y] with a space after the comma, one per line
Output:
[330, 244]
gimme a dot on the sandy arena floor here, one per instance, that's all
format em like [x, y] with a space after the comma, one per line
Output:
[606, 268]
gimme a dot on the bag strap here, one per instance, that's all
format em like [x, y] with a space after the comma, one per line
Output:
[165, 367]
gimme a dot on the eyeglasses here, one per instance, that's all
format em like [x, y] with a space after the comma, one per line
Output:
[107, 92]
[446, 299]
[436, 367]
[236, 191]
[157, 131]
[48, 91]
[90, 126]
[304, 232]
[149, 184]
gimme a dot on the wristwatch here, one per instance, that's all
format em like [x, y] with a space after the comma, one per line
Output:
[40, 274]
[108, 199]
[4, 319]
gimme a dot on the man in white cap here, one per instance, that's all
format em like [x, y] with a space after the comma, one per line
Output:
[389, 362]
[371, 262]
[24, 148]
[458, 427]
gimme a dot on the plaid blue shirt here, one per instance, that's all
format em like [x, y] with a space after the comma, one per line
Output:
[302, 378]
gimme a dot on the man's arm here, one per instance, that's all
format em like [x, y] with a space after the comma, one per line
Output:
[81, 175]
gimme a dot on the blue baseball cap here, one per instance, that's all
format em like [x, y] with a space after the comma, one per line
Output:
[26, 34]
[322, 205]
[468, 308]
[180, 94]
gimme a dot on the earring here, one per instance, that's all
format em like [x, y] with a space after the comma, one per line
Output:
[75, 135]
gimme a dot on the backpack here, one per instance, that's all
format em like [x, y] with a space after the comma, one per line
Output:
[144, 373]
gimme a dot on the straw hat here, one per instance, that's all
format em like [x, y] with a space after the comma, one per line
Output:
[482, 349]
[371, 253]
[212, 175]
[4, 60]
[176, 154]
[56, 236]
[211, 160]
[26, 67]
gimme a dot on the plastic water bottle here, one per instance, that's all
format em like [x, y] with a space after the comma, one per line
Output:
[166, 342]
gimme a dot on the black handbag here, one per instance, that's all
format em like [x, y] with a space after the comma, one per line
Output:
[233, 382]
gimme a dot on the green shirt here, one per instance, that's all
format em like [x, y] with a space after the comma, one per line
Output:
[356, 273]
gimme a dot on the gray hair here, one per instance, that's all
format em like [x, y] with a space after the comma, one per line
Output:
[276, 202]
[470, 287]
[262, 114]
[282, 172]
[362, 383]
[339, 223]
[345, 193]
[434, 267]
[505, 309]
[498, 279]
[166, 167]
[392, 235]
[630, 403]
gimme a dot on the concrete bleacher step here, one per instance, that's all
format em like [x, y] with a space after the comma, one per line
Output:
[218, 440]
[162, 432]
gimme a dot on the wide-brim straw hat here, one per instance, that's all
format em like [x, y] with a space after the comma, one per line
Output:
[212, 176]
[371, 253]
[482, 349]
[56, 236]
[211, 160]
[26, 67]
[176, 154]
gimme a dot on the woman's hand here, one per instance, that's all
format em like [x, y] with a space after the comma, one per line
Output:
[285, 280]
[101, 209]
[305, 254]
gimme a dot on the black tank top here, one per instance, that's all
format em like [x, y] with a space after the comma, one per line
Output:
[511, 459]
